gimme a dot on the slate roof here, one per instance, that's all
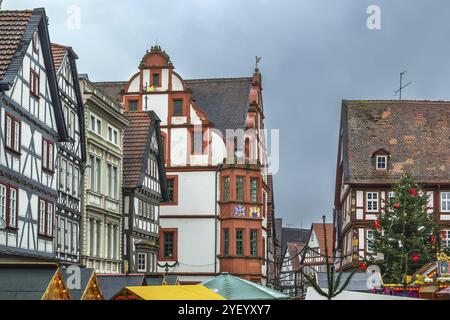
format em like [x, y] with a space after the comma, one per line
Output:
[112, 284]
[415, 133]
[136, 139]
[24, 283]
[224, 101]
[13, 25]
[112, 88]
[58, 53]
[293, 235]
[85, 276]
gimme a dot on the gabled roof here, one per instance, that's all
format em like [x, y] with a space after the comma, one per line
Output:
[320, 236]
[293, 235]
[136, 146]
[58, 53]
[13, 25]
[416, 134]
[25, 282]
[16, 32]
[224, 101]
[112, 284]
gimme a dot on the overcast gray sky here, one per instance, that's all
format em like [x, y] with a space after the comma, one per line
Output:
[315, 53]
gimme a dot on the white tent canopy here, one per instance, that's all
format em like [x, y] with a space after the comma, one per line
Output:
[312, 294]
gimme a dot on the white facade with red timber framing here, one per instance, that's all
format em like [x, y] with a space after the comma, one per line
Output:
[215, 219]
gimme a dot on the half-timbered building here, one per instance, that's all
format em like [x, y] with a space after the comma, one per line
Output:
[144, 187]
[31, 124]
[215, 219]
[378, 142]
[102, 204]
[72, 157]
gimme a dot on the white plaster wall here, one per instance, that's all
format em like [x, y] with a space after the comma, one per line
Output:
[178, 146]
[195, 244]
[134, 85]
[145, 78]
[195, 194]
[158, 103]
[176, 83]
[164, 80]
[218, 149]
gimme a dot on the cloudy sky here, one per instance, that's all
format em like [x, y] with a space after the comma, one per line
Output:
[315, 53]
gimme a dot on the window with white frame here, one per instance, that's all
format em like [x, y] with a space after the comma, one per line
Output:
[96, 124]
[445, 201]
[381, 162]
[446, 238]
[45, 218]
[370, 238]
[112, 181]
[372, 201]
[62, 174]
[12, 133]
[141, 262]
[76, 182]
[113, 135]
[48, 150]
[69, 178]
[95, 164]
[9, 205]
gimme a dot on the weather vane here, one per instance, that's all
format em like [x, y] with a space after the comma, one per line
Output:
[258, 59]
[399, 91]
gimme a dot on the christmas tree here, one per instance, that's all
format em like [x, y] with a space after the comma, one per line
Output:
[405, 235]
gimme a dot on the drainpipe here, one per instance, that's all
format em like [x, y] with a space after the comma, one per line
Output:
[216, 218]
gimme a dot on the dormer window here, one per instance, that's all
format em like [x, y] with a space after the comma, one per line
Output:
[381, 162]
[381, 158]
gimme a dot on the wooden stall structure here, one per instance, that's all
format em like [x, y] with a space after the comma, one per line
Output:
[82, 283]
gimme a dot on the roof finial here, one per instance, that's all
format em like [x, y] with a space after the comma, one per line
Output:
[258, 59]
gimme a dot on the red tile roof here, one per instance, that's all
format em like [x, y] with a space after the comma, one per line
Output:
[320, 234]
[414, 133]
[12, 27]
[134, 145]
[58, 52]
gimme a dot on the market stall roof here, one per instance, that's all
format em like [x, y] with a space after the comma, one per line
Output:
[359, 281]
[160, 279]
[312, 294]
[87, 280]
[177, 292]
[235, 288]
[110, 284]
[31, 282]
[444, 291]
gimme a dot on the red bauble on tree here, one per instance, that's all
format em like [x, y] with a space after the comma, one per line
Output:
[363, 266]
[433, 239]
[397, 205]
[413, 192]
[415, 257]
[377, 224]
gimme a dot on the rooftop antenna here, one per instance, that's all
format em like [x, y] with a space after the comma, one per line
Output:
[258, 59]
[399, 91]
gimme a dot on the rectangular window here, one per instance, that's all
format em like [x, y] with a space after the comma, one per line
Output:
[112, 181]
[34, 83]
[13, 205]
[46, 218]
[115, 242]
[168, 244]
[372, 202]
[69, 178]
[96, 125]
[446, 238]
[74, 247]
[381, 162]
[62, 174]
[445, 201]
[254, 243]
[91, 237]
[76, 177]
[226, 188]
[254, 189]
[171, 190]
[155, 81]
[132, 105]
[141, 262]
[12, 133]
[99, 239]
[61, 228]
[3, 199]
[112, 135]
[226, 242]
[239, 188]
[197, 146]
[95, 173]
[239, 242]
[370, 238]
[68, 235]
[177, 108]
[47, 155]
